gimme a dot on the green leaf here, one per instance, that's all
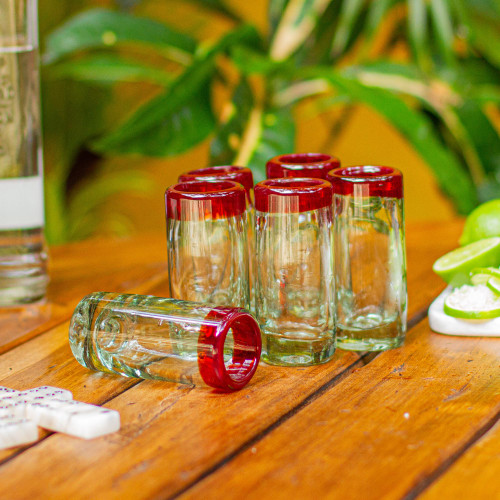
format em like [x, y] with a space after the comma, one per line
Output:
[250, 62]
[100, 28]
[295, 26]
[275, 11]
[163, 127]
[181, 117]
[417, 31]
[452, 177]
[219, 7]
[109, 69]
[224, 147]
[482, 19]
[443, 25]
[482, 136]
[349, 14]
[376, 12]
[277, 136]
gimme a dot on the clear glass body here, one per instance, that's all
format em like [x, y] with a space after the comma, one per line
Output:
[294, 287]
[208, 260]
[23, 258]
[370, 272]
[158, 338]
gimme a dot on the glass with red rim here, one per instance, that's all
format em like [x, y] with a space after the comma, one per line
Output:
[243, 175]
[294, 277]
[166, 339]
[315, 165]
[207, 230]
[370, 257]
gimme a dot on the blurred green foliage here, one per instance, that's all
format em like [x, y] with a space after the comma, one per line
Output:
[320, 50]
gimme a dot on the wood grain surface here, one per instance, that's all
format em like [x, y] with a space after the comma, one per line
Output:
[399, 424]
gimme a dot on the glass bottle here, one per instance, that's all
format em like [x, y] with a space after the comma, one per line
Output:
[315, 165]
[370, 257]
[166, 339]
[207, 242]
[294, 279]
[23, 257]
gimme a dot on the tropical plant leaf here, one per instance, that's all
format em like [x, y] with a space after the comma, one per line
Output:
[274, 13]
[224, 147]
[349, 14]
[163, 128]
[179, 118]
[106, 69]
[274, 134]
[219, 7]
[418, 33]
[250, 62]
[101, 28]
[450, 174]
[443, 28]
[376, 12]
[482, 19]
[296, 24]
[481, 134]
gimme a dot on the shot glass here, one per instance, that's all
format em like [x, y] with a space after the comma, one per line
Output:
[294, 279]
[207, 244]
[166, 339]
[370, 257]
[244, 176]
[315, 165]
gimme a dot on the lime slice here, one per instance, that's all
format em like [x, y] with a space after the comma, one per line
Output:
[481, 275]
[472, 302]
[494, 285]
[455, 266]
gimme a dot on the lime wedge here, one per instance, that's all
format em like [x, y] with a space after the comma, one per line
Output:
[481, 275]
[494, 285]
[455, 266]
[472, 302]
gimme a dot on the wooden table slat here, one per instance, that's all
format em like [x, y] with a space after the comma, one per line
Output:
[407, 412]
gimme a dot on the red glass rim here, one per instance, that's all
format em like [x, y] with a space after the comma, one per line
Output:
[315, 165]
[233, 375]
[367, 180]
[303, 195]
[243, 175]
[200, 200]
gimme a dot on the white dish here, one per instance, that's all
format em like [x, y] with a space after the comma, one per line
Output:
[440, 322]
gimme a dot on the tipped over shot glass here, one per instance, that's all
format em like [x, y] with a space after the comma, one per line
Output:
[370, 257]
[165, 339]
[316, 165]
[294, 278]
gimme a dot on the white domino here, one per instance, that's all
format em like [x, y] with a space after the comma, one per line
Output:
[16, 431]
[5, 392]
[74, 418]
[46, 392]
[12, 408]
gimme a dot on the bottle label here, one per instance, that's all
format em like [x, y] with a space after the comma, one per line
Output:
[21, 203]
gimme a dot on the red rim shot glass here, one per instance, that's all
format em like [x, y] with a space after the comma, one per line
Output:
[244, 176]
[294, 279]
[165, 339]
[370, 257]
[207, 228]
[316, 165]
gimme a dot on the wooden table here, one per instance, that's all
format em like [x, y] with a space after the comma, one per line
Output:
[420, 421]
